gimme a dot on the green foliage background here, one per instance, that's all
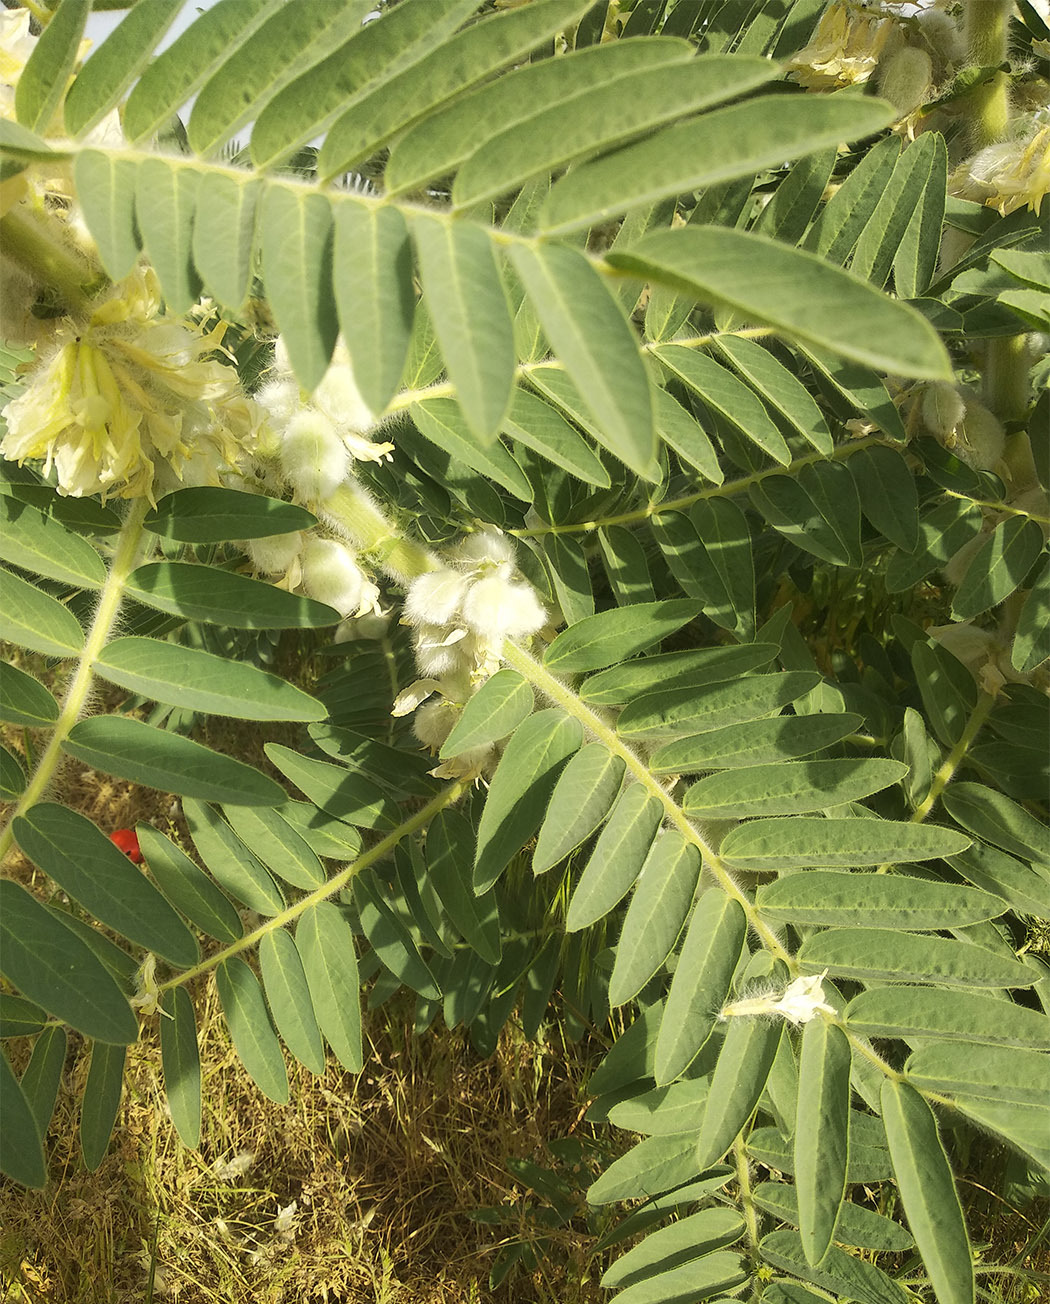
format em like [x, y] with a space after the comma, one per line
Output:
[687, 378]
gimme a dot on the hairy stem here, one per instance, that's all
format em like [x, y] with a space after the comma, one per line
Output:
[125, 559]
[987, 27]
[955, 757]
[38, 245]
[747, 1199]
[335, 884]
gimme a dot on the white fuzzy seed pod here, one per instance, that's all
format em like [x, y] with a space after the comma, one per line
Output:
[273, 555]
[943, 408]
[434, 598]
[497, 608]
[313, 458]
[982, 437]
[906, 79]
[331, 575]
[486, 548]
[339, 398]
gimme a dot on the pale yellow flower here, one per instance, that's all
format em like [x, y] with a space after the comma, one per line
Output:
[844, 49]
[127, 405]
[1007, 176]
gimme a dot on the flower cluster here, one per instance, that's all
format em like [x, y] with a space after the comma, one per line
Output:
[845, 48]
[325, 569]
[460, 615]
[316, 438]
[131, 403]
[1011, 174]
[799, 1002]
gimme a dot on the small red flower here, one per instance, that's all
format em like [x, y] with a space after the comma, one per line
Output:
[127, 841]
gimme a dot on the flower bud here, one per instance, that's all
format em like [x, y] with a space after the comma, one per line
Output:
[499, 608]
[273, 555]
[331, 575]
[982, 437]
[434, 598]
[313, 458]
[943, 408]
[906, 78]
[339, 399]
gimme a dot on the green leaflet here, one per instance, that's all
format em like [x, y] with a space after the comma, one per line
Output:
[442, 423]
[436, 146]
[626, 566]
[719, 146]
[281, 849]
[855, 1225]
[105, 189]
[890, 901]
[35, 620]
[223, 235]
[678, 712]
[929, 1012]
[878, 242]
[915, 262]
[547, 138]
[199, 681]
[711, 665]
[995, 818]
[734, 401]
[445, 72]
[374, 293]
[617, 858]
[230, 862]
[471, 317]
[46, 73]
[323, 834]
[676, 428]
[1024, 1127]
[206, 514]
[846, 213]
[116, 64]
[21, 1150]
[19, 1017]
[51, 965]
[12, 776]
[662, 1111]
[868, 1161]
[839, 1272]
[709, 955]
[931, 1201]
[221, 598]
[744, 1063]
[674, 1246]
[877, 954]
[165, 208]
[1032, 640]
[613, 636]
[390, 939]
[570, 577]
[275, 54]
[660, 905]
[708, 1275]
[807, 841]
[791, 787]
[172, 77]
[450, 856]
[394, 42]
[254, 1039]
[942, 532]
[592, 337]
[821, 1134]
[137, 751]
[541, 428]
[98, 1111]
[180, 1061]
[82, 860]
[998, 567]
[288, 996]
[347, 795]
[888, 496]
[1002, 1073]
[656, 1164]
[295, 233]
[818, 510]
[859, 385]
[754, 743]
[24, 700]
[520, 789]
[797, 197]
[994, 871]
[582, 798]
[35, 541]
[326, 946]
[43, 1075]
[947, 688]
[778, 386]
[188, 888]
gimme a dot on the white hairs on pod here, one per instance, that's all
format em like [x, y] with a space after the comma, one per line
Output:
[313, 457]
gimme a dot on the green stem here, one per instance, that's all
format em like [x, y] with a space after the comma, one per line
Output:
[564, 696]
[1005, 380]
[747, 1199]
[335, 884]
[954, 759]
[727, 489]
[34, 243]
[987, 30]
[125, 559]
